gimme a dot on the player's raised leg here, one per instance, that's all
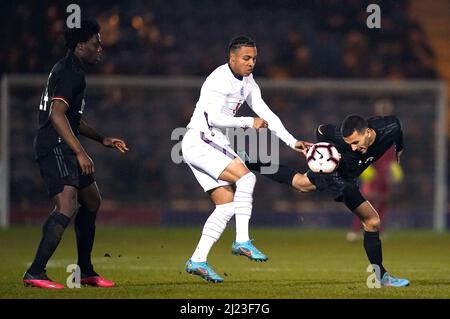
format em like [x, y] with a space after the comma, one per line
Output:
[52, 231]
[90, 200]
[372, 244]
[284, 175]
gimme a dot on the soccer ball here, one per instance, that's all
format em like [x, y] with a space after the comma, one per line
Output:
[323, 158]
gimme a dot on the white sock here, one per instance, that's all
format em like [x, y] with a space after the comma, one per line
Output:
[213, 229]
[242, 225]
[243, 199]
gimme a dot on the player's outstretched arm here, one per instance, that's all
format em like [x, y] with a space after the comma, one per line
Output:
[112, 142]
[257, 104]
[90, 132]
[259, 123]
[302, 147]
[62, 127]
[399, 141]
[397, 156]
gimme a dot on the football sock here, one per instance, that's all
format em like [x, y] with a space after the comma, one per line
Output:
[243, 199]
[213, 229]
[372, 245]
[283, 175]
[52, 232]
[85, 233]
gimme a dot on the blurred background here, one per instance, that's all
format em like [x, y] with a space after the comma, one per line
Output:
[317, 62]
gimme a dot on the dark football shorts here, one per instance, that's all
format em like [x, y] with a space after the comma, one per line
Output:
[60, 167]
[344, 189]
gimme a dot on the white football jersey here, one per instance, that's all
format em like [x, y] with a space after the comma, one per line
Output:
[221, 96]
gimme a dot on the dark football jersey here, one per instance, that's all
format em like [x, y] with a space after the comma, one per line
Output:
[352, 164]
[66, 83]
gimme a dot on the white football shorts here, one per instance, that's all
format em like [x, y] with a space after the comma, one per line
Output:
[206, 158]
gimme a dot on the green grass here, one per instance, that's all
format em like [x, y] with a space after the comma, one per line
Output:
[302, 264]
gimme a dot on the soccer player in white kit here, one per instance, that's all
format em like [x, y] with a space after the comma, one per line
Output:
[206, 149]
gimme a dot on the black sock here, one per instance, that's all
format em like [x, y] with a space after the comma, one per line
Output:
[85, 233]
[283, 175]
[372, 245]
[52, 232]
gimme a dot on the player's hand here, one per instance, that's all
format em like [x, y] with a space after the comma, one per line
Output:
[302, 146]
[116, 143]
[86, 163]
[259, 123]
[397, 155]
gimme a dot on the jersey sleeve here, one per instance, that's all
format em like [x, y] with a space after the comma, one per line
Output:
[398, 135]
[214, 95]
[257, 104]
[65, 87]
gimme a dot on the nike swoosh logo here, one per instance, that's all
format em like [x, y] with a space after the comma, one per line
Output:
[246, 251]
[203, 270]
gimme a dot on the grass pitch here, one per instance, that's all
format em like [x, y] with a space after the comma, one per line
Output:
[149, 263]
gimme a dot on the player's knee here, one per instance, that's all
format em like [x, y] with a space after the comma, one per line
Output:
[91, 200]
[66, 201]
[372, 224]
[70, 207]
[94, 204]
[67, 209]
[301, 188]
[226, 211]
[247, 181]
[301, 183]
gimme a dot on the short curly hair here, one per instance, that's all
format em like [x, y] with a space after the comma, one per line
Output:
[73, 36]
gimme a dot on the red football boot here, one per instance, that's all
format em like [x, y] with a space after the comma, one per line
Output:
[40, 281]
[96, 281]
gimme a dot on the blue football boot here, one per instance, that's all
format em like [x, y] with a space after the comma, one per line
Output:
[391, 281]
[248, 250]
[203, 270]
